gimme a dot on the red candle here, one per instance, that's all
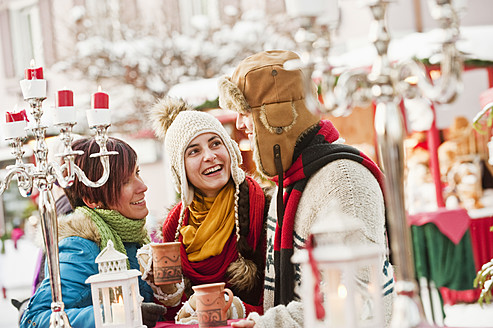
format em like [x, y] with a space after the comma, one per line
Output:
[100, 100]
[64, 98]
[33, 73]
[16, 117]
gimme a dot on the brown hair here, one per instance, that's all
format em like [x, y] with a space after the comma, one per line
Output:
[121, 168]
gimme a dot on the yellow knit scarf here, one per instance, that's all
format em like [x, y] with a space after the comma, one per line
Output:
[211, 222]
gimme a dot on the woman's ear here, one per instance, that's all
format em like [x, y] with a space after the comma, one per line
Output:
[91, 204]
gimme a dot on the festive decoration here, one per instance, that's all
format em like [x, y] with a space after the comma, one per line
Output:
[332, 294]
[100, 99]
[64, 107]
[115, 291]
[33, 73]
[64, 98]
[43, 174]
[483, 120]
[15, 125]
[99, 114]
[33, 86]
[484, 280]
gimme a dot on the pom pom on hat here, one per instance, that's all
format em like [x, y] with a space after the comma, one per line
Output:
[164, 112]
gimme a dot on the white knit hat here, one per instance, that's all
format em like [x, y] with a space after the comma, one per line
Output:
[180, 124]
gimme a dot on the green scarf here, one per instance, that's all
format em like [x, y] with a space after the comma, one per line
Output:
[116, 227]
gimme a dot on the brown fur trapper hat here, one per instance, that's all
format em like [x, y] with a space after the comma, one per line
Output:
[276, 98]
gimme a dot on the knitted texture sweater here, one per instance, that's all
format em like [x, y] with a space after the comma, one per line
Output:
[358, 194]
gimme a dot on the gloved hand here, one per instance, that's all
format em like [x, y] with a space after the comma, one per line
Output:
[187, 314]
[144, 257]
[236, 310]
[151, 313]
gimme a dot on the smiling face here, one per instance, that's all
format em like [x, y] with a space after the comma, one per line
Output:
[131, 201]
[245, 122]
[207, 164]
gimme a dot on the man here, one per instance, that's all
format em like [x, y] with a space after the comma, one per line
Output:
[297, 150]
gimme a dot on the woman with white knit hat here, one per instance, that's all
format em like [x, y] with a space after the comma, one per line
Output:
[220, 218]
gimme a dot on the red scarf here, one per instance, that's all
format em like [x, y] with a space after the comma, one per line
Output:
[214, 268]
[314, 151]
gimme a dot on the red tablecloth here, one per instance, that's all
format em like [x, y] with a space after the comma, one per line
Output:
[482, 250]
[482, 240]
[171, 324]
[453, 224]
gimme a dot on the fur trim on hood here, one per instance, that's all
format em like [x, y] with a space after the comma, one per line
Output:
[231, 97]
[79, 225]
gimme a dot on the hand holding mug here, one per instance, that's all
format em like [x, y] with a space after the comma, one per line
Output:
[211, 306]
[166, 263]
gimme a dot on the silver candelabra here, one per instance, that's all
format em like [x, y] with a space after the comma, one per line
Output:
[41, 176]
[385, 85]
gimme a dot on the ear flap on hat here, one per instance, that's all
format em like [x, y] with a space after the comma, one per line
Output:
[278, 118]
[231, 97]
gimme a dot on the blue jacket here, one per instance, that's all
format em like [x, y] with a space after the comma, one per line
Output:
[77, 262]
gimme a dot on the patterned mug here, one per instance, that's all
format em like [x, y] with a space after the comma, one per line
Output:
[211, 306]
[166, 263]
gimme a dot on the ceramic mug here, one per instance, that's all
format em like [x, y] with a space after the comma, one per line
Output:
[211, 306]
[166, 263]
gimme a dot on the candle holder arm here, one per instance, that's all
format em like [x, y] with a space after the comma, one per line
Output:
[65, 174]
[451, 64]
[24, 179]
[445, 91]
[353, 89]
[105, 161]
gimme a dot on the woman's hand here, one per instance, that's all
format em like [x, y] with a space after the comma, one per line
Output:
[187, 314]
[144, 257]
[244, 324]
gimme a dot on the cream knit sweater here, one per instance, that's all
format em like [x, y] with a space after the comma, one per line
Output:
[357, 191]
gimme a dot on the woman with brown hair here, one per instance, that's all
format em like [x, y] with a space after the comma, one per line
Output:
[115, 211]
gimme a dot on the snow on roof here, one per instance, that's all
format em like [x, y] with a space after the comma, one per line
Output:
[195, 92]
[475, 41]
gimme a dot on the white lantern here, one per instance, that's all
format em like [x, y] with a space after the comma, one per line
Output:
[341, 280]
[115, 291]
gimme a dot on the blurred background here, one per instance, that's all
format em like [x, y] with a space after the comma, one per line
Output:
[140, 50]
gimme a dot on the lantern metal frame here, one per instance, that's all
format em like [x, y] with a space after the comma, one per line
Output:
[113, 274]
[327, 266]
[342, 263]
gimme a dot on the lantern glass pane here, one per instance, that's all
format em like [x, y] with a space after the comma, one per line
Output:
[117, 306]
[100, 304]
[334, 292]
[368, 296]
[134, 296]
[115, 294]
